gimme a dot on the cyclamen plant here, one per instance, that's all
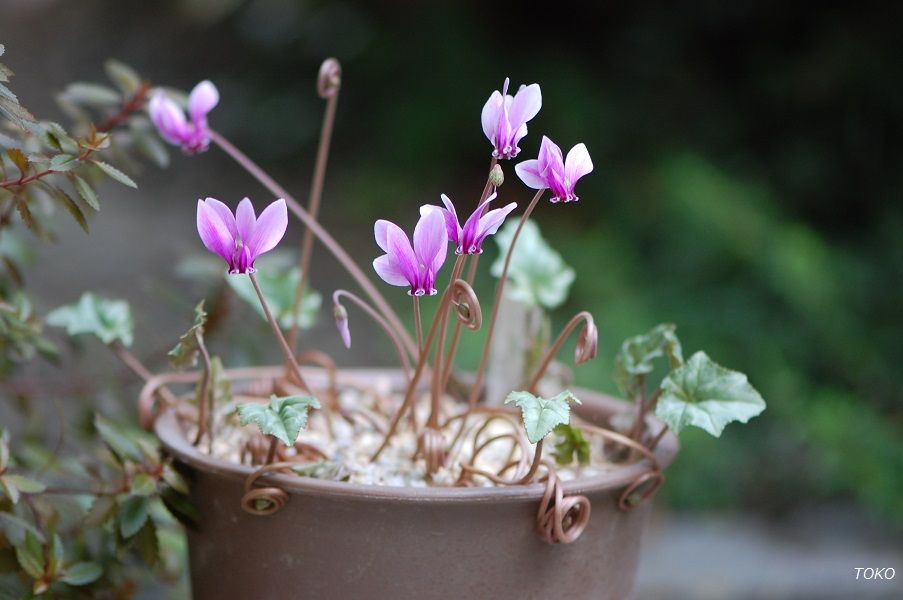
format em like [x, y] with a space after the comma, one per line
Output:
[435, 429]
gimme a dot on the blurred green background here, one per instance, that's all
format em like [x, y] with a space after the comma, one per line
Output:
[747, 183]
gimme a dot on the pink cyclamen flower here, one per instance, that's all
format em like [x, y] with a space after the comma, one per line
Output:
[549, 170]
[505, 118]
[417, 266]
[191, 134]
[469, 238]
[241, 238]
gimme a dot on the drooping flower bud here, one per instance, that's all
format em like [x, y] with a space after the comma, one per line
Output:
[496, 176]
[341, 322]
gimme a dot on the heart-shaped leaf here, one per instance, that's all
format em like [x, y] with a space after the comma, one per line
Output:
[283, 418]
[542, 415]
[109, 320]
[278, 287]
[705, 394]
[638, 354]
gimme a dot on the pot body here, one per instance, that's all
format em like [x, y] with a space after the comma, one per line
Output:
[344, 541]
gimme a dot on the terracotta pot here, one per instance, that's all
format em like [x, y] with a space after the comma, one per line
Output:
[339, 540]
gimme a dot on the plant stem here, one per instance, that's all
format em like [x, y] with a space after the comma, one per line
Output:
[534, 466]
[271, 453]
[437, 387]
[286, 351]
[456, 336]
[132, 362]
[205, 398]
[654, 443]
[313, 209]
[484, 360]
[373, 314]
[325, 238]
[418, 324]
[553, 350]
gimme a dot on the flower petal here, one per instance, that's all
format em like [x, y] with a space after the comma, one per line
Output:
[380, 229]
[214, 232]
[201, 101]
[270, 228]
[452, 224]
[528, 171]
[401, 253]
[525, 106]
[225, 213]
[389, 271]
[431, 241]
[577, 164]
[491, 221]
[245, 220]
[168, 118]
[550, 156]
[490, 115]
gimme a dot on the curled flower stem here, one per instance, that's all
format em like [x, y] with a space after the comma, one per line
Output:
[583, 316]
[286, 351]
[327, 83]
[418, 324]
[484, 360]
[373, 314]
[321, 234]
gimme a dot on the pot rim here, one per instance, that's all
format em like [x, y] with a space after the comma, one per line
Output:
[169, 430]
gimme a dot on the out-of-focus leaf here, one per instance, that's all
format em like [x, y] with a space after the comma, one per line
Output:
[109, 320]
[638, 354]
[124, 76]
[115, 173]
[91, 94]
[19, 159]
[705, 394]
[118, 441]
[101, 510]
[278, 288]
[72, 207]
[180, 506]
[174, 479]
[133, 515]
[537, 275]
[86, 192]
[283, 418]
[20, 333]
[26, 485]
[63, 162]
[143, 485]
[15, 529]
[542, 415]
[571, 445]
[147, 544]
[82, 573]
[30, 555]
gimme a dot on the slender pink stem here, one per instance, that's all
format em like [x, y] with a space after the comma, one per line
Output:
[313, 209]
[418, 323]
[286, 350]
[321, 234]
[553, 350]
[373, 314]
[654, 443]
[437, 389]
[484, 359]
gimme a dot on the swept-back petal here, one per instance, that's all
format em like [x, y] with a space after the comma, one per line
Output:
[490, 115]
[225, 213]
[214, 231]
[550, 156]
[401, 253]
[389, 271]
[380, 229]
[529, 173]
[430, 240]
[245, 220]
[201, 101]
[577, 164]
[270, 228]
[525, 106]
[168, 118]
[452, 223]
[470, 231]
[491, 221]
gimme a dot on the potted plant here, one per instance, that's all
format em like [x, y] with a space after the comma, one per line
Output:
[421, 481]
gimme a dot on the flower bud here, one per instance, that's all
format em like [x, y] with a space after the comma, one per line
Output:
[341, 321]
[496, 176]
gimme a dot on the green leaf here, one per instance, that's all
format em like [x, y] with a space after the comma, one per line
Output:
[705, 394]
[133, 515]
[180, 506]
[283, 418]
[124, 76]
[15, 529]
[541, 415]
[143, 485]
[185, 352]
[19, 159]
[118, 441]
[638, 354]
[174, 479]
[86, 192]
[91, 94]
[30, 555]
[63, 162]
[54, 555]
[26, 484]
[9, 490]
[147, 544]
[72, 207]
[278, 287]
[115, 173]
[537, 275]
[109, 320]
[82, 573]
[571, 445]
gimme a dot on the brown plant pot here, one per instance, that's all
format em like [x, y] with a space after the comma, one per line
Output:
[341, 540]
